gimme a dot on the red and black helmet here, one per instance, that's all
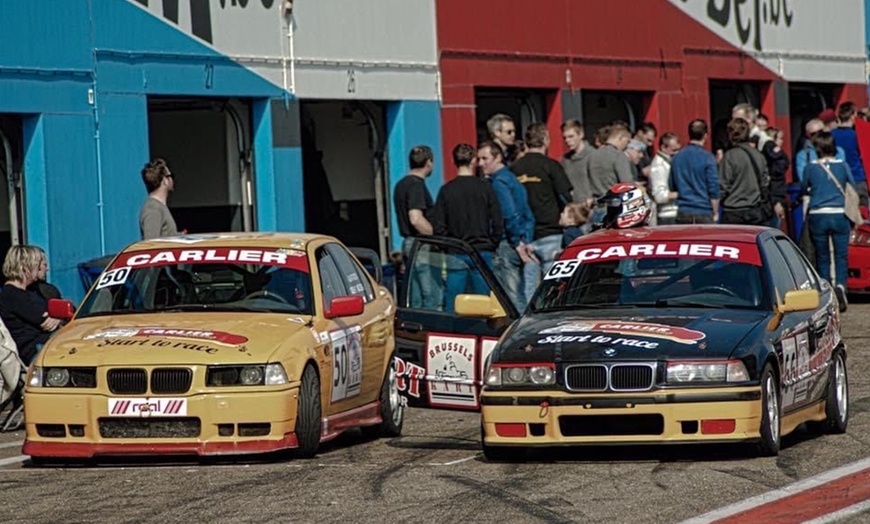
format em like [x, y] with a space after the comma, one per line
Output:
[627, 206]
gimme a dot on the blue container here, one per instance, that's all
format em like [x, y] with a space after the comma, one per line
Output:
[796, 224]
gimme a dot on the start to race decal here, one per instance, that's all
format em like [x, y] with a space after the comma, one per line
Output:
[220, 337]
[450, 370]
[564, 332]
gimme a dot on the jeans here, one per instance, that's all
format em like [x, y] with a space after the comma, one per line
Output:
[508, 268]
[546, 249]
[425, 291]
[667, 221]
[685, 218]
[464, 277]
[838, 228]
[861, 189]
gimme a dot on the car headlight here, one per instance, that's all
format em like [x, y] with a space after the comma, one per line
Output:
[56, 377]
[521, 374]
[63, 377]
[267, 374]
[702, 372]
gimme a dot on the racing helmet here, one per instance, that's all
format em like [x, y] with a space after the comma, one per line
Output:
[627, 206]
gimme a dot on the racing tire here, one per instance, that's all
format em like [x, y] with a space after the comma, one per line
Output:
[308, 413]
[771, 421]
[392, 409]
[837, 402]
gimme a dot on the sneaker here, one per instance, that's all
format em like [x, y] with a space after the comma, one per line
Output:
[841, 297]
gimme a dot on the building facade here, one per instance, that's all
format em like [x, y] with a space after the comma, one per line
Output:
[272, 116]
[664, 61]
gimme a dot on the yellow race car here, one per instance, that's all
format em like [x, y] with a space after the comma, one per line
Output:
[217, 344]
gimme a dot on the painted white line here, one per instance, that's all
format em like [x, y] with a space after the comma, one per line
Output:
[452, 462]
[13, 460]
[842, 514]
[781, 493]
[12, 444]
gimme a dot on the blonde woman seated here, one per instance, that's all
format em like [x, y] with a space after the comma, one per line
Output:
[25, 313]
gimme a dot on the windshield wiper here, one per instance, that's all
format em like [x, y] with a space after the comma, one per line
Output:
[676, 302]
[203, 307]
[569, 307]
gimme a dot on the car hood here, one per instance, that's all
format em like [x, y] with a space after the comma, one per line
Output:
[627, 334]
[171, 338]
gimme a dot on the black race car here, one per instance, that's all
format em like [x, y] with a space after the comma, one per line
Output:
[649, 335]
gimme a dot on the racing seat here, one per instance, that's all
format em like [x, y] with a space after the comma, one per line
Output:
[291, 285]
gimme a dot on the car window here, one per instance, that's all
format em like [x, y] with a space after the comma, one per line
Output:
[438, 274]
[355, 278]
[804, 276]
[780, 272]
[330, 278]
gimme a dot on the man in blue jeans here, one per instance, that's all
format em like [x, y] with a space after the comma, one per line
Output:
[467, 209]
[519, 222]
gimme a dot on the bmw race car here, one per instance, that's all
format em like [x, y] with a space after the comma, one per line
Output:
[217, 344]
[675, 334]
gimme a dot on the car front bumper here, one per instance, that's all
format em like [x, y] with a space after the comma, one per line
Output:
[65, 424]
[858, 280]
[560, 418]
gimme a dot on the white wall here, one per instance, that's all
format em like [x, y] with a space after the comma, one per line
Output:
[800, 40]
[339, 49]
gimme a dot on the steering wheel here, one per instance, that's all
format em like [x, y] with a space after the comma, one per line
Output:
[721, 290]
[265, 293]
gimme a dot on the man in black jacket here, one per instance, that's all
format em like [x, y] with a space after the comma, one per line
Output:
[467, 209]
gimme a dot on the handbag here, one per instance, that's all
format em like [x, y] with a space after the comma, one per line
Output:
[853, 210]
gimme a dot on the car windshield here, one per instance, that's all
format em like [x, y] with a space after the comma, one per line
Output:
[198, 279]
[650, 281]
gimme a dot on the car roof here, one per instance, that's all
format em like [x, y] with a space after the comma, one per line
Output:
[234, 239]
[693, 233]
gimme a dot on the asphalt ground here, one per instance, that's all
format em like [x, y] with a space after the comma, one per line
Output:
[435, 472]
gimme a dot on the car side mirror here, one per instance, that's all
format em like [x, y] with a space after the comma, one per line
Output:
[349, 306]
[485, 306]
[61, 309]
[800, 300]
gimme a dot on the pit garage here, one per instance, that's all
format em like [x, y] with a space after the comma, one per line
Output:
[344, 169]
[524, 106]
[207, 144]
[12, 225]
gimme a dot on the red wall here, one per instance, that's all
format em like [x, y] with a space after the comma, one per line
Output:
[579, 44]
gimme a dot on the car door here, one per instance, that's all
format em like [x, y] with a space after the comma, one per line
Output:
[823, 328]
[791, 338]
[348, 385]
[442, 354]
[377, 324]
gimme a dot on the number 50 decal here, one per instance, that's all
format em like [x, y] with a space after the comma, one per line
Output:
[562, 269]
[114, 277]
[346, 363]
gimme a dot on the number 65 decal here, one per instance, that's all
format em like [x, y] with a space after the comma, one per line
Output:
[114, 277]
[562, 269]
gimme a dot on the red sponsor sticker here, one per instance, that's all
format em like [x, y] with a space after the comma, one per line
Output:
[643, 329]
[289, 258]
[727, 251]
[214, 336]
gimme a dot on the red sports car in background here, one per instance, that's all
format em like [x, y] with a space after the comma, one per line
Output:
[859, 260]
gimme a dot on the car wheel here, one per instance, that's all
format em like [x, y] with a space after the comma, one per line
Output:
[837, 403]
[392, 409]
[308, 414]
[499, 453]
[770, 413]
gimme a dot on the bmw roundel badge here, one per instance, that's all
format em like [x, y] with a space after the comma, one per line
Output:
[609, 352]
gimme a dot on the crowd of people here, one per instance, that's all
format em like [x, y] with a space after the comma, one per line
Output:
[519, 208]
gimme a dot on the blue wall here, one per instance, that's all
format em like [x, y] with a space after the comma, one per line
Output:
[411, 123]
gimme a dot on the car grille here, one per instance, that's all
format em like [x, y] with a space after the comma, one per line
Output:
[164, 381]
[612, 377]
[611, 425]
[170, 380]
[128, 381]
[178, 427]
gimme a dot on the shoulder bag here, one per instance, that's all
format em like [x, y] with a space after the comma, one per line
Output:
[853, 211]
[765, 205]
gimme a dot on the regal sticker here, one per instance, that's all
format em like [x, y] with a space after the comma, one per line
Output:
[450, 370]
[145, 407]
